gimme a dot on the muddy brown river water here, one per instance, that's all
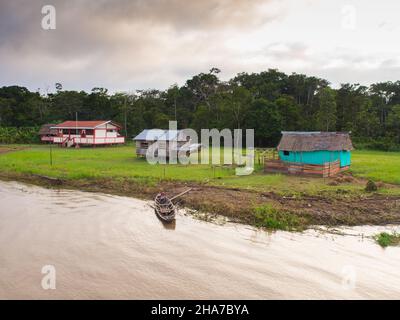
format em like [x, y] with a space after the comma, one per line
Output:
[104, 246]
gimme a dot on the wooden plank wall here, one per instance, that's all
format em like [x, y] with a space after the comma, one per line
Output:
[325, 170]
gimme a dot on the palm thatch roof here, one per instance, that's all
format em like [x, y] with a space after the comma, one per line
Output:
[315, 141]
[46, 129]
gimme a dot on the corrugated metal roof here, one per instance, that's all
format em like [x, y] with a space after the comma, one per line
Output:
[83, 124]
[150, 134]
[161, 135]
[315, 141]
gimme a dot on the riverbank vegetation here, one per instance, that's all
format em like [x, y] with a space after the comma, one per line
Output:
[300, 201]
[385, 239]
[271, 217]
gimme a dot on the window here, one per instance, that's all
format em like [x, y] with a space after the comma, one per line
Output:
[286, 153]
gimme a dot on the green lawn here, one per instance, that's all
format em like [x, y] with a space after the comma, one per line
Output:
[121, 162]
[101, 162]
[377, 165]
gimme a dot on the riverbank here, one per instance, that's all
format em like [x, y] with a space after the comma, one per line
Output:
[272, 201]
[241, 205]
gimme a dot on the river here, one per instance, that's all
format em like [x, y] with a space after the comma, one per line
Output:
[108, 247]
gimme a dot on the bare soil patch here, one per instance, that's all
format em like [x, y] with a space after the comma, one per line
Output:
[9, 149]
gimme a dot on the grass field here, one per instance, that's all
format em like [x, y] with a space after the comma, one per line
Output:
[121, 162]
[377, 165]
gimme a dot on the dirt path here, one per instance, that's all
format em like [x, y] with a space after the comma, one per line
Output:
[9, 149]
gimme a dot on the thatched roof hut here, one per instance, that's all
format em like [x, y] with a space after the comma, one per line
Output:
[47, 133]
[315, 141]
[47, 130]
[315, 148]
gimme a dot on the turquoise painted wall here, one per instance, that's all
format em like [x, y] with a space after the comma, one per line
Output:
[317, 157]
[345, 158]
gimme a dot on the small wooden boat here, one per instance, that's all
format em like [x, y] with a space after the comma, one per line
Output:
[164, 208]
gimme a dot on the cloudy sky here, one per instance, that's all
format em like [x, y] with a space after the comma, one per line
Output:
[138, 44]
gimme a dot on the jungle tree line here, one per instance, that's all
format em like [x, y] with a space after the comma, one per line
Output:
[269, 102]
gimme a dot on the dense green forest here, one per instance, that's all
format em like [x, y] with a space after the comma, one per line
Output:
[269, 102]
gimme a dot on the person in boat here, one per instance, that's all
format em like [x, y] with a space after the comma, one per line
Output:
[162, 198]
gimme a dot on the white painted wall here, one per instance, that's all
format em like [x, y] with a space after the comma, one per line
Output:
[100, 133]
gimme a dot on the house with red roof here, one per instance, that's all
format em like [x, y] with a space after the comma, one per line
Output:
[77, 133]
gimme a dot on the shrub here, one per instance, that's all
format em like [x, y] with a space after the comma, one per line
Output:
[385, 239]
[371, 186]
[271, 217]
[10, 135]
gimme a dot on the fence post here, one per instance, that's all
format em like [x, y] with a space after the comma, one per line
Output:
[51, 155]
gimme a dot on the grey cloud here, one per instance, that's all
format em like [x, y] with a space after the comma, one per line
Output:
[183, 13]
[20, 19]
[126, 41]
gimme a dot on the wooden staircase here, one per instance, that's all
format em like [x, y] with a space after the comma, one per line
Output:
[68, 142]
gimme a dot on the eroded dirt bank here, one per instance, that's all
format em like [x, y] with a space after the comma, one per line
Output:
[239, 205]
